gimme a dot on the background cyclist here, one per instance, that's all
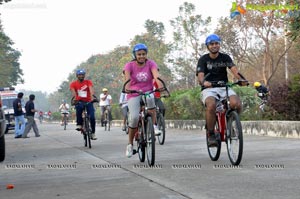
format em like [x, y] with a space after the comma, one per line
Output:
[141, 71]
[64, 109]
[158, 101]
[105, 102]
[124, 106]
[262, 91]
[215, 63]
[82, 90]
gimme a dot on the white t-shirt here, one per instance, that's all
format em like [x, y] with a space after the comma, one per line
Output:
[104, 102]
[64, 108]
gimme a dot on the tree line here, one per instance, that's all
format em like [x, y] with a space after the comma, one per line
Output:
[266, 49]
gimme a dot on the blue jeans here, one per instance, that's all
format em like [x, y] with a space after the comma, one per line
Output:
[90, 111]
[19, 125]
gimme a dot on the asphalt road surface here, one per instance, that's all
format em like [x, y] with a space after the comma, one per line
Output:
[57, 165]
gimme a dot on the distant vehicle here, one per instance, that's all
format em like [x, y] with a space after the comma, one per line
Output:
[8, 95]
[2, 130]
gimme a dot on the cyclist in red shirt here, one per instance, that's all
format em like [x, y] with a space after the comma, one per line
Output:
[158, 101]
[83, 91]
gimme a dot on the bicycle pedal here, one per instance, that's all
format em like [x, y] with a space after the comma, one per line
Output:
[134, 151]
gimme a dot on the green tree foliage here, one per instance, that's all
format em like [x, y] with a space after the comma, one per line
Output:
[184, 104]
[188, 35]
[11, 73]
[293, 19]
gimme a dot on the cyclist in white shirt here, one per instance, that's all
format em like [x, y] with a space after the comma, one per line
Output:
[124, 105]
[105, 102]
[64, 108]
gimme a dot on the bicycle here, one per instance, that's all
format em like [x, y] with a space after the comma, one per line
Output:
[86, 130]
[65, 120]
[126, 124]
[160, 119]
[144, 136]
[107, 119]
[228, 127]
[41, 119]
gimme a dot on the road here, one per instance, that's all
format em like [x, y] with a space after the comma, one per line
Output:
[57, 165]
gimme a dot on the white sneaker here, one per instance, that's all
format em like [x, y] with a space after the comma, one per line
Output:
[93, 136]
[129, 150]
[157, 131]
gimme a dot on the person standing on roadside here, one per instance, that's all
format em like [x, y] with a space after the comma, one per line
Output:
[19, 116]
[30, 111]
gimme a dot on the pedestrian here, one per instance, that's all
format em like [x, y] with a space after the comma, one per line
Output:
[30, 111]
[19, 116]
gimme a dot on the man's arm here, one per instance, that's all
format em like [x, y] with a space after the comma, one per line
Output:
[92, 91]
[201, 80]
[235, 72]
[73, 93]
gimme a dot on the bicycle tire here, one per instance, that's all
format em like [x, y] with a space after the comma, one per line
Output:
[141, 144]
[88, 132]
[84, 138]
[234, 136]
[162, 128]
[65, 123]
[105, 120]
[150, 141]
[214, 151]
[126, 125]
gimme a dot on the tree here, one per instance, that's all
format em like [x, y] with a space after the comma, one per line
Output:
[259, 41]
[11, 73]
[187, 47]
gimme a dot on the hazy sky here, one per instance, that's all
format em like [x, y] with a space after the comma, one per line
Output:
[55, 36]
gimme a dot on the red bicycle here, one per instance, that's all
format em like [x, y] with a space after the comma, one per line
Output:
[228, 127]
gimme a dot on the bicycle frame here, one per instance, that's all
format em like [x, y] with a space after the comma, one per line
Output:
[228, 127]
[146, 138]
[86, 131]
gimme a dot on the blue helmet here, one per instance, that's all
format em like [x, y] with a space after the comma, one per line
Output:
[80, 72]
[212, 38]
[138, 47]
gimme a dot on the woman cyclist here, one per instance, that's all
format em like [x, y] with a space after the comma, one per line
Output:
[141, 71]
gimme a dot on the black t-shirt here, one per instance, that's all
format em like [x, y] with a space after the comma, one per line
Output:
[216, 67]
[262, 92]
[28, 107]
[17, 104]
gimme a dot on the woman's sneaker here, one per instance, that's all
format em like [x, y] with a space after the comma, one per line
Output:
[129, 150]
[157, 131]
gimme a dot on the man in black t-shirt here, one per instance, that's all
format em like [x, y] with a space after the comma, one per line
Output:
[30, 111]
[212, 67]
[19, 116]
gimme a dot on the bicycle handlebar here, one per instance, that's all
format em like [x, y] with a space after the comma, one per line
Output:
[224, 84]
[241, 82]
[74, 102]
[148, 92]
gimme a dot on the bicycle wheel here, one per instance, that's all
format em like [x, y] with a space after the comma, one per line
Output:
[126, 126]
[150, 137]
[108, 124]
[84, 137]
[105, 120]
[214, 151]
[65, 123]
[234, 138]
[141, 144]
[88, 131]
[162, 128]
